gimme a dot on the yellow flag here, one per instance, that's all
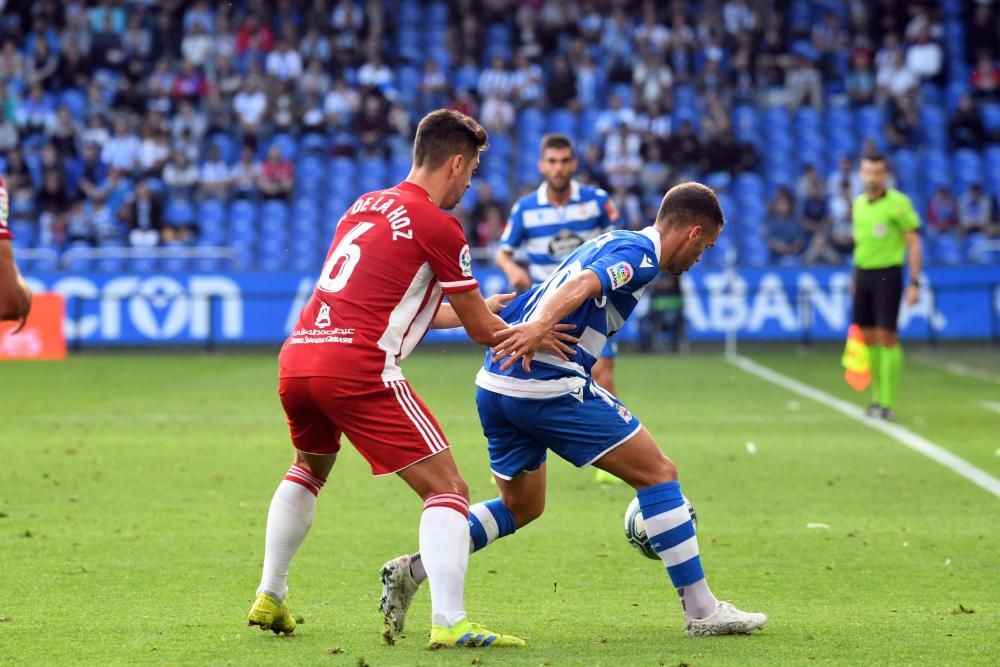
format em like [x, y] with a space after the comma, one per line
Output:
[856, 362]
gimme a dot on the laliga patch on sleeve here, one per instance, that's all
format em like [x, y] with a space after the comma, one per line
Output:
[465, 261]
[620, 274]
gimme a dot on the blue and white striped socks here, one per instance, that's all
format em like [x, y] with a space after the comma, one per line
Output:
[671, 533]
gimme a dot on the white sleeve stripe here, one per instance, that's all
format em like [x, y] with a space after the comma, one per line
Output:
[458, 283]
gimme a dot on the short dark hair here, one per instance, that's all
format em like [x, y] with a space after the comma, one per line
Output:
[556, 140]
[690, 204]
[444, 133]
[876, 157]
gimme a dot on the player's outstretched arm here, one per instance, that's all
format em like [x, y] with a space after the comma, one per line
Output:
[482, 325]
[522, 341]
[446, 318]
[15, 297]
[516, 275]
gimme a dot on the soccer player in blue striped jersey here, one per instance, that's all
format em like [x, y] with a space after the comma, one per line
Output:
[530, 402]
[552, 222]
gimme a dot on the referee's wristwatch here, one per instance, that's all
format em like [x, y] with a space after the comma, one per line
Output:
[914, 282]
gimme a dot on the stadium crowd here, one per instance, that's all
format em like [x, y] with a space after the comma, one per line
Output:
[186, 122]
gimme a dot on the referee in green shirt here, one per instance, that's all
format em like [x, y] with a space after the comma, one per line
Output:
[885, 232]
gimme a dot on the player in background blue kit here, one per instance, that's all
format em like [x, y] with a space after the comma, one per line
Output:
[530, 402]
[552, 222]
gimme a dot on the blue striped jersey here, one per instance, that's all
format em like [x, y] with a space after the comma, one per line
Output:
[625, 262]
[550, 233]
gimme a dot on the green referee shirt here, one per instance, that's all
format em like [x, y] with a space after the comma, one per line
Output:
[880, 228]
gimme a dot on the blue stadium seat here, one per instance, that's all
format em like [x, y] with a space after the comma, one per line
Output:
[179, 213]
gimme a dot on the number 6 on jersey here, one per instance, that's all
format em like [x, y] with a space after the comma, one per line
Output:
[347, 251]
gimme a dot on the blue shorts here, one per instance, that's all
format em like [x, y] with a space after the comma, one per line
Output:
[580, 427]
[610, 350]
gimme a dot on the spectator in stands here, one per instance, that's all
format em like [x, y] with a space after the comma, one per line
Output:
[154, 151]
[683, 148]
[841, 223]
[651, 34]
[189, 84]
[42, 66]
[966, 128]
[433, 86]
[814, 215]
[102, 223]
[314, 46]
[622, 159]
[74, 66]
[561, 84]
[284, 108]
[53, 204]
[245, 174]
[844, 173]
[651, 76]
[250, 105]
[142, 216]
[12, 67]
[284, 62]
[80, 224]
[340, 104]
[253, 35]
[106, 49]
[526, 82]
[894, 79]
[495, 79]
[901, 128]
[924, 57]
[616, 44]
[803, 84]
[93, 172]
[198, 47]
[614, 115]
[977, 213]
[35, 112]
[347, 20]
[137, 40]
[942, 212]
[655, 175]
[122, 150]
[227, 81]
[371, 127]
[723, 153]
[861, 79]
[180, 176]
[496, 114]
[215, 176]
[63, 132]
[376, 74]
[986, 77]
[313, 119]
[785, 236]
[277, 176]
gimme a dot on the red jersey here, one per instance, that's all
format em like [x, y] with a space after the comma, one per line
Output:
[5, 234]
[393, 256]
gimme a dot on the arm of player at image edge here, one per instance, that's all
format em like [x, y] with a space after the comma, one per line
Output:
[522, 341]
[914, 251]
[516, 275]
[15, 297]
[447, 318]
[482, 325]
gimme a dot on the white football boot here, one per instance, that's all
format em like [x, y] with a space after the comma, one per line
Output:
[725, 620]
[398, 589]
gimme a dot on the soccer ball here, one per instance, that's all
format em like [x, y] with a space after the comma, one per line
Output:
[635, 528]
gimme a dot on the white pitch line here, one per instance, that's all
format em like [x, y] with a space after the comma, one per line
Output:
[956, 368]
[902, 435]
[992, 406]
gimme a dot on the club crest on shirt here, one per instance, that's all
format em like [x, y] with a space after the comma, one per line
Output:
[879, 229]
[323, 317]
[564, 244]
[465, 261]
[620, 274]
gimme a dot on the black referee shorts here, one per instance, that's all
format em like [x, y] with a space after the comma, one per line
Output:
[877, 295]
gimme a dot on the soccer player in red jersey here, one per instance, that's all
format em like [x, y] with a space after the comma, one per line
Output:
[15, 297]
[393, 257]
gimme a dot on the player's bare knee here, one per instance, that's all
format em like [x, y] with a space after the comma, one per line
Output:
[450, 484]
[525, 511]
[660, 471]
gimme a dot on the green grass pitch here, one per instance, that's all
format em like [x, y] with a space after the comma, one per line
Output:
[133, 494]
